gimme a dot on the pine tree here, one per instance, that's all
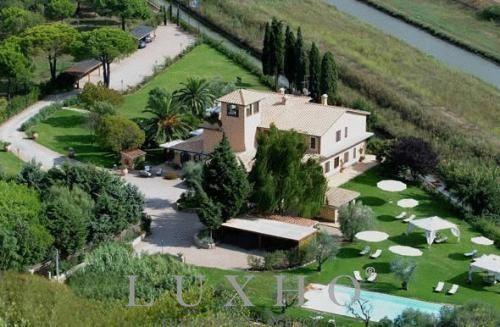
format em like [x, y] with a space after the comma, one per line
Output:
[329, 77]
[300, 61]
[289, 62]
[225, 180]
[278, 49]
[314, 73]
[266, 50]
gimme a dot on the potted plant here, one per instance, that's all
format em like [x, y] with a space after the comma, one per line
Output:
[124, 170]
[6, 146]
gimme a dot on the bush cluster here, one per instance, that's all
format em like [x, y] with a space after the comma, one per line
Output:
[92, 94]
[67, 208]
[42, 115]
[19, 103]
[281, 259]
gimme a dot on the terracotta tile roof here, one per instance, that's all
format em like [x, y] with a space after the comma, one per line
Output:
[133, 154]
[290, 112]
[337, 197]
[242, 97]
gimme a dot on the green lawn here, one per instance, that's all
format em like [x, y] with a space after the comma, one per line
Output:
[9, 163]
[441, 262]
[202, 62]
[451, 18]
[66, 129]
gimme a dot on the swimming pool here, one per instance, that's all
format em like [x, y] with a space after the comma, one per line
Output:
[383, 305]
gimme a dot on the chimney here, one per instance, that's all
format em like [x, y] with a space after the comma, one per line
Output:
[282, 91]
[324, 99]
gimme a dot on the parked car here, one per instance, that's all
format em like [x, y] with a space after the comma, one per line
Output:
[159, 172]
[142, 44]
[148, 39]
[145, 173]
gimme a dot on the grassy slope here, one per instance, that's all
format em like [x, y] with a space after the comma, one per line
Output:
[387, 64]
[441, 262]
[202, 62]
[451, 18]
[67, 129]
[9, 163]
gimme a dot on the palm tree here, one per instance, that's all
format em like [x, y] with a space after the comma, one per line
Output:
[196, 95]
[169, 122]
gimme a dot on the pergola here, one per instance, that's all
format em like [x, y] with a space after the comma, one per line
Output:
[431, 226]
[489, 263]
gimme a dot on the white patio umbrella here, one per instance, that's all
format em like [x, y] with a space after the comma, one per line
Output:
[390, 185]
[405, 251]
[481, 240]
[407, 203]
[372, 236]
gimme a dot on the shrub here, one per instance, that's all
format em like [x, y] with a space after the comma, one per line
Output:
[255, 262]
[118, 133]
[491, 13]
[99, 93]
[68, 214]
[276, 260]
[19, 103]
[33, 176]
[23, 238]
[108, 267]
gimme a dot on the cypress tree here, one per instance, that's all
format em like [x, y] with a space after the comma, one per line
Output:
[178, 15]
[225, 180]
[278, 49]
[314, 73]
[266, 51]
[300, 61]
[289, 62]
[329, 76]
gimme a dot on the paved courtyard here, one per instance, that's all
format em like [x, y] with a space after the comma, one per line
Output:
[173, 231]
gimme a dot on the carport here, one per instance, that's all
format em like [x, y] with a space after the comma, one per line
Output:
[268, 234]
[81, 69]
[142, 31]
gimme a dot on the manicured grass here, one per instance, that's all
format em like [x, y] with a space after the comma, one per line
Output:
[202, 62]
[441, 262]
[450, 18]
[9, 163]
[66, 129]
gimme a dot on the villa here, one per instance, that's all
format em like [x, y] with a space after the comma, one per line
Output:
[336, 136]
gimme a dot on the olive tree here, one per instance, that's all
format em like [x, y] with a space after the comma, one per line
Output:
[354, 218]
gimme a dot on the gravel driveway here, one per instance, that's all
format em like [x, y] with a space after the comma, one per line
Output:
[173, 231]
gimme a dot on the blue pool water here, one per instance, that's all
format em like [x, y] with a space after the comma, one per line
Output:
[383, 305]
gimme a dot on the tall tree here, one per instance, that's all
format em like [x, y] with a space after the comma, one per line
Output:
[105, 44]
[329, 77]
[14, 20]
[404, 270]
[196, 95]
[15, 68]
[168, 121]
[322, 247]
[266, 50]
[289, 61]
[414, 155]
[314, 73]
[300, 61]
[60, 9]
[53, 40]
[354, 218]
[209, 212]
[277, 50]
[225, 180]
[125, 9]
[282, 181]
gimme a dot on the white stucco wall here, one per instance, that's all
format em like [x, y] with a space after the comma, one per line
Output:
[356, 125]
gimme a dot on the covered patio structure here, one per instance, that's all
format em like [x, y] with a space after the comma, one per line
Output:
[335, 198]
[268, 233]
[489, 263]
[81, 70]
[431, 226]
[130, 158]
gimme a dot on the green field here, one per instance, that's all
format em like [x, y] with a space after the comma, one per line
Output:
[451, 19]
[442, 262]
[202, 62]
[9, 163]
[67, 129]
